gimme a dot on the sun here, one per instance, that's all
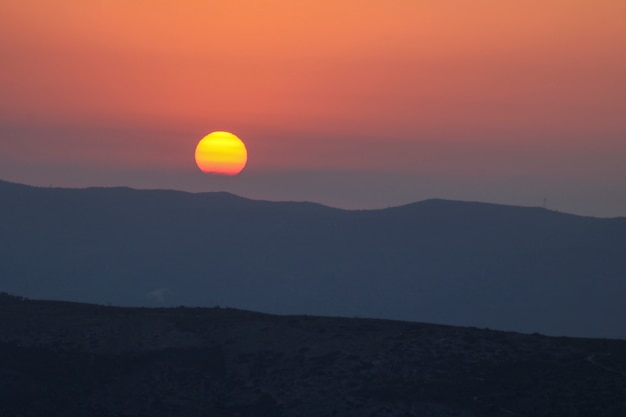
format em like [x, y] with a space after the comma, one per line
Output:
[221, 153]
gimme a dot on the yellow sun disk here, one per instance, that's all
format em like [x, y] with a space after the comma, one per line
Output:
[221, 153]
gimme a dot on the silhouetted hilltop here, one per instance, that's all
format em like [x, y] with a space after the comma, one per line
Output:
[70, 359]
[514, 268]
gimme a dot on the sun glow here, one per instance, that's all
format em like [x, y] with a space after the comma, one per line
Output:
[221, 153]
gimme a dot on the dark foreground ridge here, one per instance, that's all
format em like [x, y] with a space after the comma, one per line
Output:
[71, 359]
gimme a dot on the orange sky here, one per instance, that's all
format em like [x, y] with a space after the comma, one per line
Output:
[484, 88]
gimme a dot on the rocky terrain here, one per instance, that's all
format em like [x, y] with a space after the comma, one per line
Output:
[72, 359]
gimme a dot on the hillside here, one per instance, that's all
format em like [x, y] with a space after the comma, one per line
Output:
[503, 267]
[70, 359]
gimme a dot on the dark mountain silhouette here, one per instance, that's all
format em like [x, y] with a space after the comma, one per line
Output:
[486, 265]
[70, 359]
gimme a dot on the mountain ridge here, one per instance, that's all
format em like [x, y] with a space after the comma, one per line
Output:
[512, 268]
[234, 197]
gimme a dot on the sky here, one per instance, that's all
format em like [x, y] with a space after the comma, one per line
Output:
[353, 104]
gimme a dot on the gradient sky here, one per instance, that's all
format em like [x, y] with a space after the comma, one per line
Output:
[355, 104]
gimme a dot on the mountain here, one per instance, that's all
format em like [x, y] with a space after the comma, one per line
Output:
[70, 359]
[513, 268]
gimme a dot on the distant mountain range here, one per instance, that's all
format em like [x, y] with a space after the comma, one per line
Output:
[76, 360]
[504, 267]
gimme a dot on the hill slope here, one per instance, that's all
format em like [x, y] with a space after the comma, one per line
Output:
[73, 359]
[515, 268]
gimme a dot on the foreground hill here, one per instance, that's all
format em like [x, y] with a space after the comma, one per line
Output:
[486, 265]
[70, 359]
